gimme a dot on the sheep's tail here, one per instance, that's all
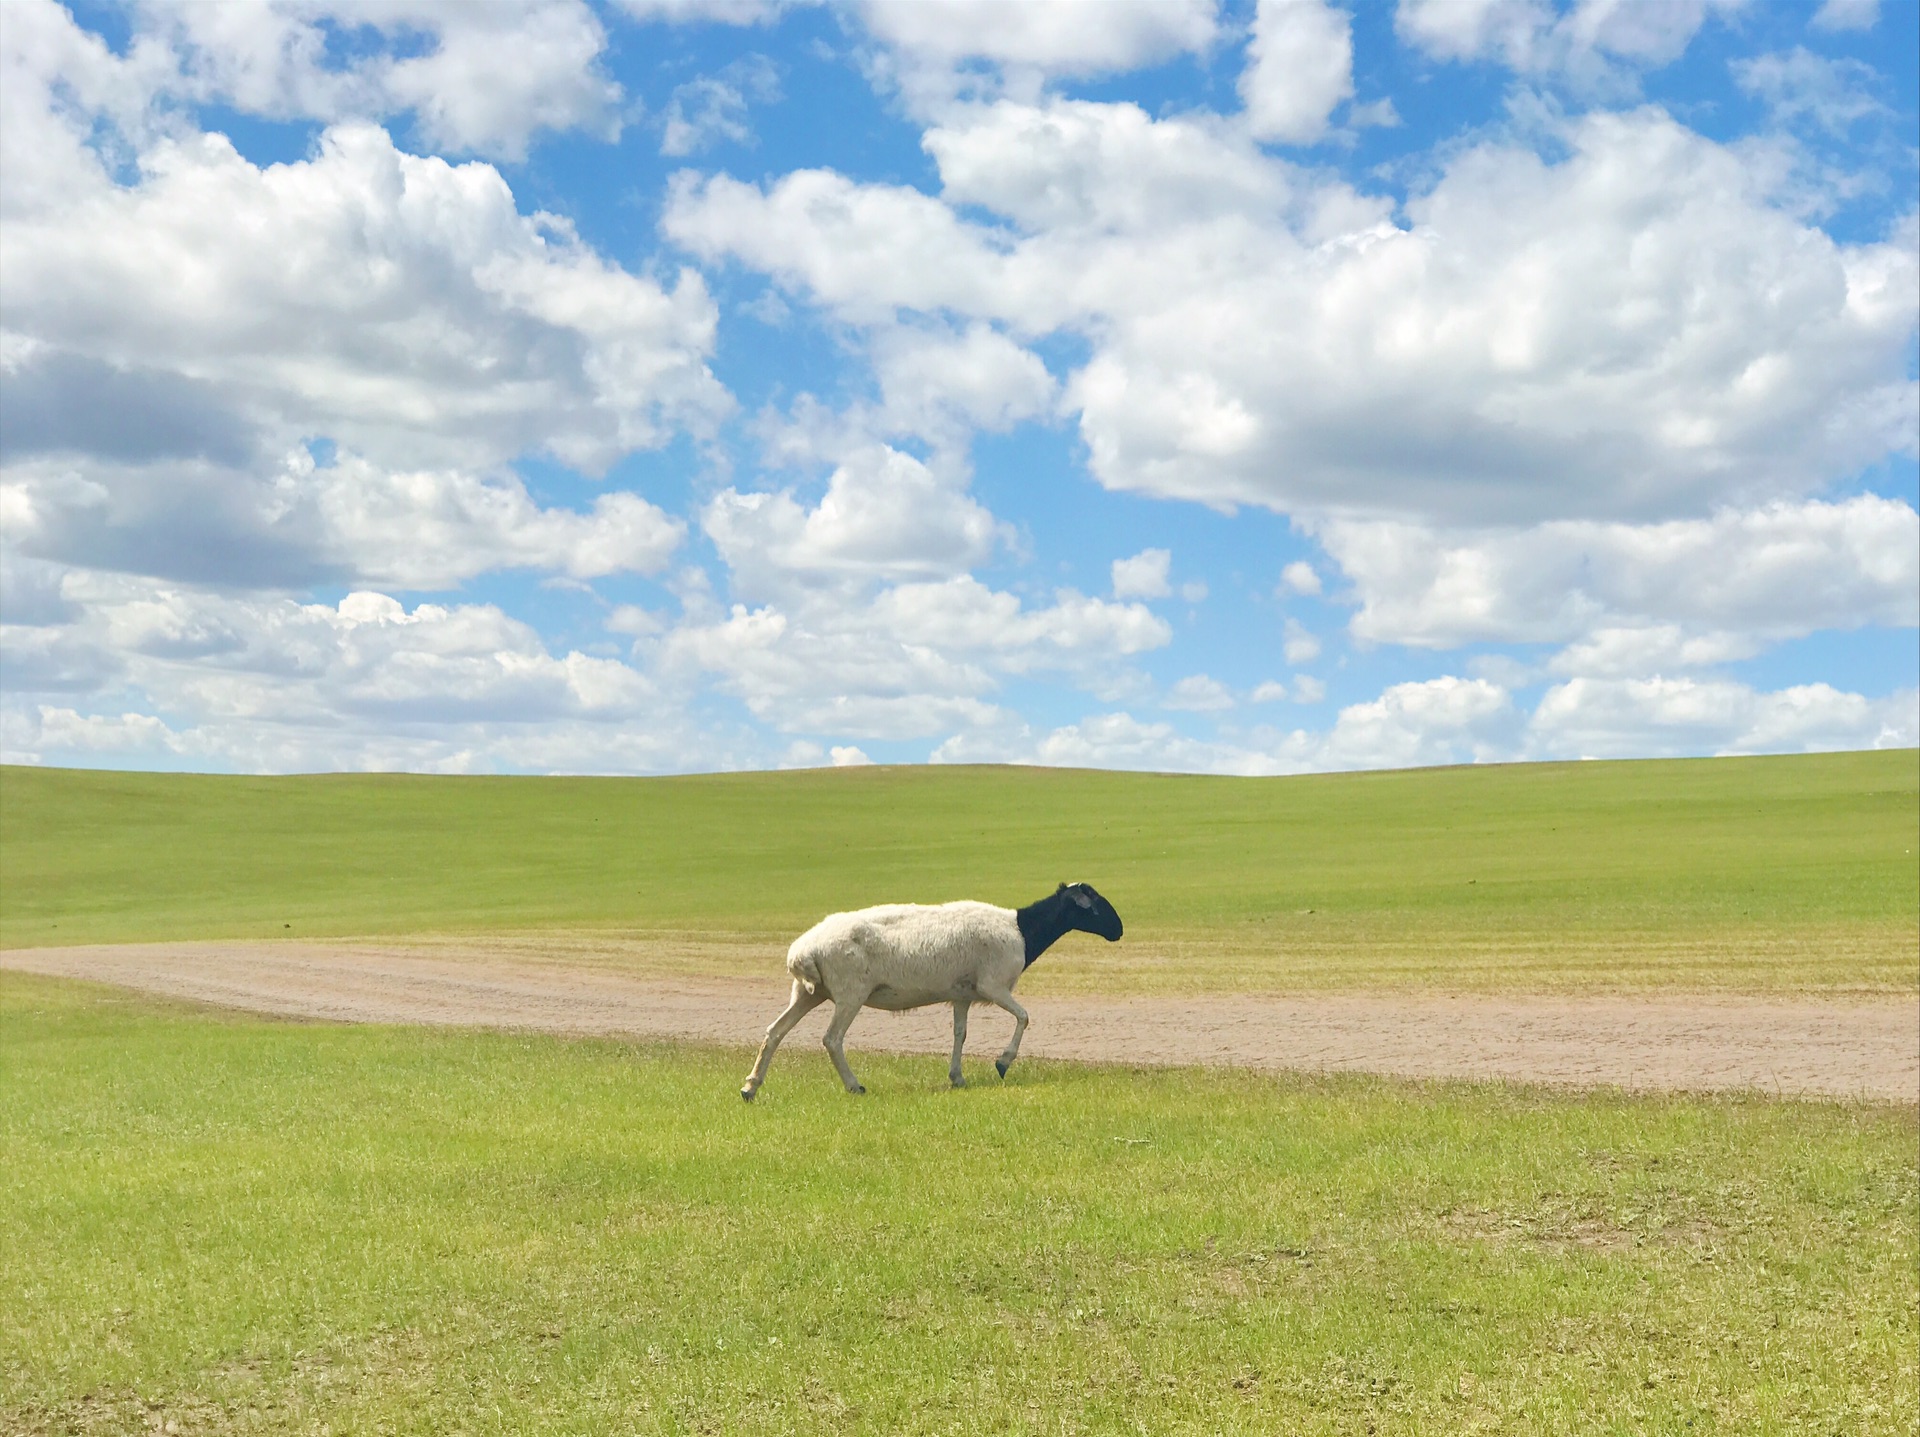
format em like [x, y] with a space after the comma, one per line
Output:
[804, 970]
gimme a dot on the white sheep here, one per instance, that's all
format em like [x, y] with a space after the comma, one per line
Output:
[908, 955]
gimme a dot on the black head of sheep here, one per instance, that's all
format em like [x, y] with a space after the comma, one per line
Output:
[1070, 906]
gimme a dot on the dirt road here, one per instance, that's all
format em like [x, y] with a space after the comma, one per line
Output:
[1868, 1048]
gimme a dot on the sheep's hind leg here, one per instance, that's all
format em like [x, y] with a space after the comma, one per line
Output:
[844, 1012]
[1005, 1000]
[801, 1004]
[954, 1074]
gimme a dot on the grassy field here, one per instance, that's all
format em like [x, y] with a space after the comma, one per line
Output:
[233, 1225]
[1795, 873]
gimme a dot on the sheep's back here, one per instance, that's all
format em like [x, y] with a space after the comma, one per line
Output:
[912, 947]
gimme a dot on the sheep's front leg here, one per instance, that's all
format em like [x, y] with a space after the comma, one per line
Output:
[801, 1004]
[845, 1010]
[959, 1041]
[1005, 1000]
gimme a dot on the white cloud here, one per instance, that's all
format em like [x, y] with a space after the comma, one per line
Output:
[1198, 694]
[116, 734]
[432, 530]
[913, 660]
[1607, 718]
[707, 12]
[1113, 740]
[1798, 86]
[944, 385]
[1778, 572]
[884, 516]
[1300, 646]
[1307, 689]
[1144, 576]
[1443, 720]
[1074, 633]
[1847, 15]
[1299, 67]
[299, 522]
[1532, 36]
[1271, 691]
[633, 620]
[1278, 342]
[1299, 577]
[398, 304]
[491, 77]
[1045, 37]
[270, 684]
[713, 108]
[865, 250]
[848, 756]
[1649, 649]
[1076, 167]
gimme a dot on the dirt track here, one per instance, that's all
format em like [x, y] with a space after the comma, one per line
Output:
[1837, 1049]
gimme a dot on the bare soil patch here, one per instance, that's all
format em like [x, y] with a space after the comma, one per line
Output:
[1811, 1047]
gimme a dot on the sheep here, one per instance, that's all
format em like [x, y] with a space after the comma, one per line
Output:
[909, 955]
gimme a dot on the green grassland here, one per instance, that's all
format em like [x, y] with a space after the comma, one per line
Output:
[1792, 873]
[217, 1224]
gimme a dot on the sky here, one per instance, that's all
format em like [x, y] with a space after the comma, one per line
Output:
[684, 385]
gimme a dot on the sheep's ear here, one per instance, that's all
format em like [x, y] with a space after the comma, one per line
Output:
[1061, 889]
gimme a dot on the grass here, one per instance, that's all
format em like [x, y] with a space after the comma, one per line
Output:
[235, 1225]
[1791, 873]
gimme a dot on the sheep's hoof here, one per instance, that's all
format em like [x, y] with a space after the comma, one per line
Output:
[1001, 1065]
[747, 1094]
[958, 1082]
[856, 1090]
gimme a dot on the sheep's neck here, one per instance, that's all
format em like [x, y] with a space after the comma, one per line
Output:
[1042, 925]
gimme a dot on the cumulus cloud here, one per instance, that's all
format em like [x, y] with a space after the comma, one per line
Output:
[1799, 87]
[713, 108]
[300, 522]
[913, 660]
[1198, 693]
[945, 385]
[1299, 577]
[1299, 646]
[1299, 67]
[939, 45]
[399, 304]
[480, 79]
[1535, 36]
[1144, 576]
[1617, 718]
[714, 12]
[884, 516]
[1847, 15]
[1279, 341]
[259, 682]
[1775, 572]
[1649, 649]
[1456, 720]
[1112, 740]
[1445, 720]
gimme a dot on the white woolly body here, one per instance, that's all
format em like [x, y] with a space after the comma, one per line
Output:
[907, 955]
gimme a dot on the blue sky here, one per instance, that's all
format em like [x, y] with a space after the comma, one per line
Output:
[687, 384]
